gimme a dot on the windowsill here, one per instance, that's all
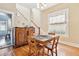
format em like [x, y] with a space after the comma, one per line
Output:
[57, 23]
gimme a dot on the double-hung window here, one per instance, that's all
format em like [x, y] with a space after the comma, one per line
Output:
[58, 22]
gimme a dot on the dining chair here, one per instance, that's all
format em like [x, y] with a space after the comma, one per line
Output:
[52, 46]
[41, 49]
[32, 47]
[36, 48]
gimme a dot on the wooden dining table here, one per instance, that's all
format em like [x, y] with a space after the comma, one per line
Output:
[43, 40]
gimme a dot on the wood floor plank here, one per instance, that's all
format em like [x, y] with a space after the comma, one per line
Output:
[63, 50]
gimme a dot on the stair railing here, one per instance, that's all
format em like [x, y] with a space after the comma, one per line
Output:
[31, 21]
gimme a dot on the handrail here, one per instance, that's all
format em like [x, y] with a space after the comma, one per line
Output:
[22, 14]
[34, 23]
[31, 21]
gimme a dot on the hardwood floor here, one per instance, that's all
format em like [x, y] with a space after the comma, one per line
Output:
[63, 50]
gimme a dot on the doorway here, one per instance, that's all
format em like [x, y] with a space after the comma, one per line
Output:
[5, 29]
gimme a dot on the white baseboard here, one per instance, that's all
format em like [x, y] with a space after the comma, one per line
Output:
[70, 43]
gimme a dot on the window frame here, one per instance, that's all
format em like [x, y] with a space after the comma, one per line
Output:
[63, 11]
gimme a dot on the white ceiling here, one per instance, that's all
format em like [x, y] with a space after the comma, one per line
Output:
[35, 5]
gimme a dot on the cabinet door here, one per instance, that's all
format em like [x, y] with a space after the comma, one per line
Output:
[19, 37]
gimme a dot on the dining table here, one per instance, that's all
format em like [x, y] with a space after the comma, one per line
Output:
[43, 40]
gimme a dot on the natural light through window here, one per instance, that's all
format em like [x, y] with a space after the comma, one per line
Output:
[58, 22]
[57, 19]
[2, 26]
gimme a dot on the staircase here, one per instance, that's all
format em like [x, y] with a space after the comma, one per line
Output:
[30, 20]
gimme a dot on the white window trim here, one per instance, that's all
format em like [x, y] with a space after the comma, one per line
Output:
[66, 11]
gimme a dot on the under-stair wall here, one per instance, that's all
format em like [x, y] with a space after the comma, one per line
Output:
[20, 21]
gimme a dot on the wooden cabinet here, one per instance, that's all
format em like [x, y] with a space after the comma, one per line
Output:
[21, 35]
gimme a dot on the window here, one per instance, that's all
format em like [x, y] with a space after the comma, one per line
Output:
[57, 19]
[58, 22]
[2, 25]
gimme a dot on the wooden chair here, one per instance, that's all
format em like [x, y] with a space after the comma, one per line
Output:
[52, 46]
[41, 49]
[32, 47]
[35, 48]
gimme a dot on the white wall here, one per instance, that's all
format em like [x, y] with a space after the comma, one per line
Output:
[20, 21]
[36, 18]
